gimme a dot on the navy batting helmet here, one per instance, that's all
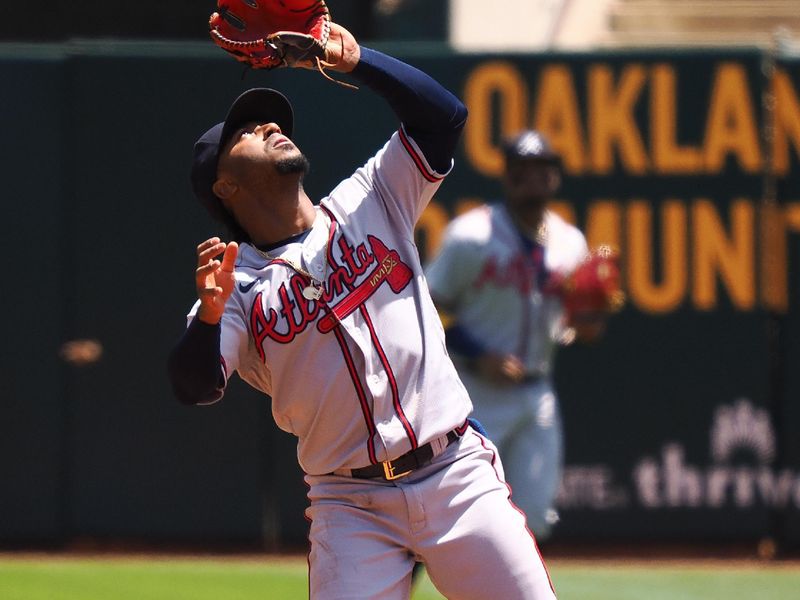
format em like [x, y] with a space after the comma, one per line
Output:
[529, 145]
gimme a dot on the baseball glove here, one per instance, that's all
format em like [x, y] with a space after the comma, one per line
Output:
[593, 288]
[267, 34]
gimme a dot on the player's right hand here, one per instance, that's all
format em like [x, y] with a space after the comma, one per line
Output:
[501, 368]
[214, 278]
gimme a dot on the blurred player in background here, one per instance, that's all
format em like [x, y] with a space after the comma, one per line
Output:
[492, 282]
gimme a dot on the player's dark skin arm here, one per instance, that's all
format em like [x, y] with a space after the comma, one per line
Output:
[194, 363]
[501, 368]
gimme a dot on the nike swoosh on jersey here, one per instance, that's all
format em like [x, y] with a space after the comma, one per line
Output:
[246, 288]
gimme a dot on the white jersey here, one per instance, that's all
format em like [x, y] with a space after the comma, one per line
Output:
[398, 388]
[495, 287]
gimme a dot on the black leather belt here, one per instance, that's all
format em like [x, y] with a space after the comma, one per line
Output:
[403, 465]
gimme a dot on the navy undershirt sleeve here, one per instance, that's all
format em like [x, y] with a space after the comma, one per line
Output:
[431, 115]
[460, 341]
[194, 364]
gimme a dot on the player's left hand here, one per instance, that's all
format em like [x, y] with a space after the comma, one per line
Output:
[589, 326]
[342, 52]
[214, 279]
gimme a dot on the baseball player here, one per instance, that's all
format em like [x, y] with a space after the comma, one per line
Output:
[490, 282]
[324, 308]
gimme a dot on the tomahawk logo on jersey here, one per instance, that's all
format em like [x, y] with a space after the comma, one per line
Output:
[360, 274]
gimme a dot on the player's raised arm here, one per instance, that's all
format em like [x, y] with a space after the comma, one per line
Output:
[432, 115]
[194, 363]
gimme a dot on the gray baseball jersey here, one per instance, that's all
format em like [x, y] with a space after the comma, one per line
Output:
[362, 245]
[495, 287]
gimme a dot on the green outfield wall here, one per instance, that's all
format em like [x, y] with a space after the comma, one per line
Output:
[681, 424]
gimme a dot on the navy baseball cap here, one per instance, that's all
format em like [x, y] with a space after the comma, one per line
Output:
[529, 145]
[264, 105]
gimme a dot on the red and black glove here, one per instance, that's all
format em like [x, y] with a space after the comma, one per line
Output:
[593, 289]
[272, 33]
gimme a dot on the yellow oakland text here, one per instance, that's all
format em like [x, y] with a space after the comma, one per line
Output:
[626, 117]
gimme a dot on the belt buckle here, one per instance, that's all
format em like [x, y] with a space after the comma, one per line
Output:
[388, 471]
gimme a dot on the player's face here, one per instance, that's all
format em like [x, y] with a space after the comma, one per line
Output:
[533, 181]
[258, 144]
[528, 185]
